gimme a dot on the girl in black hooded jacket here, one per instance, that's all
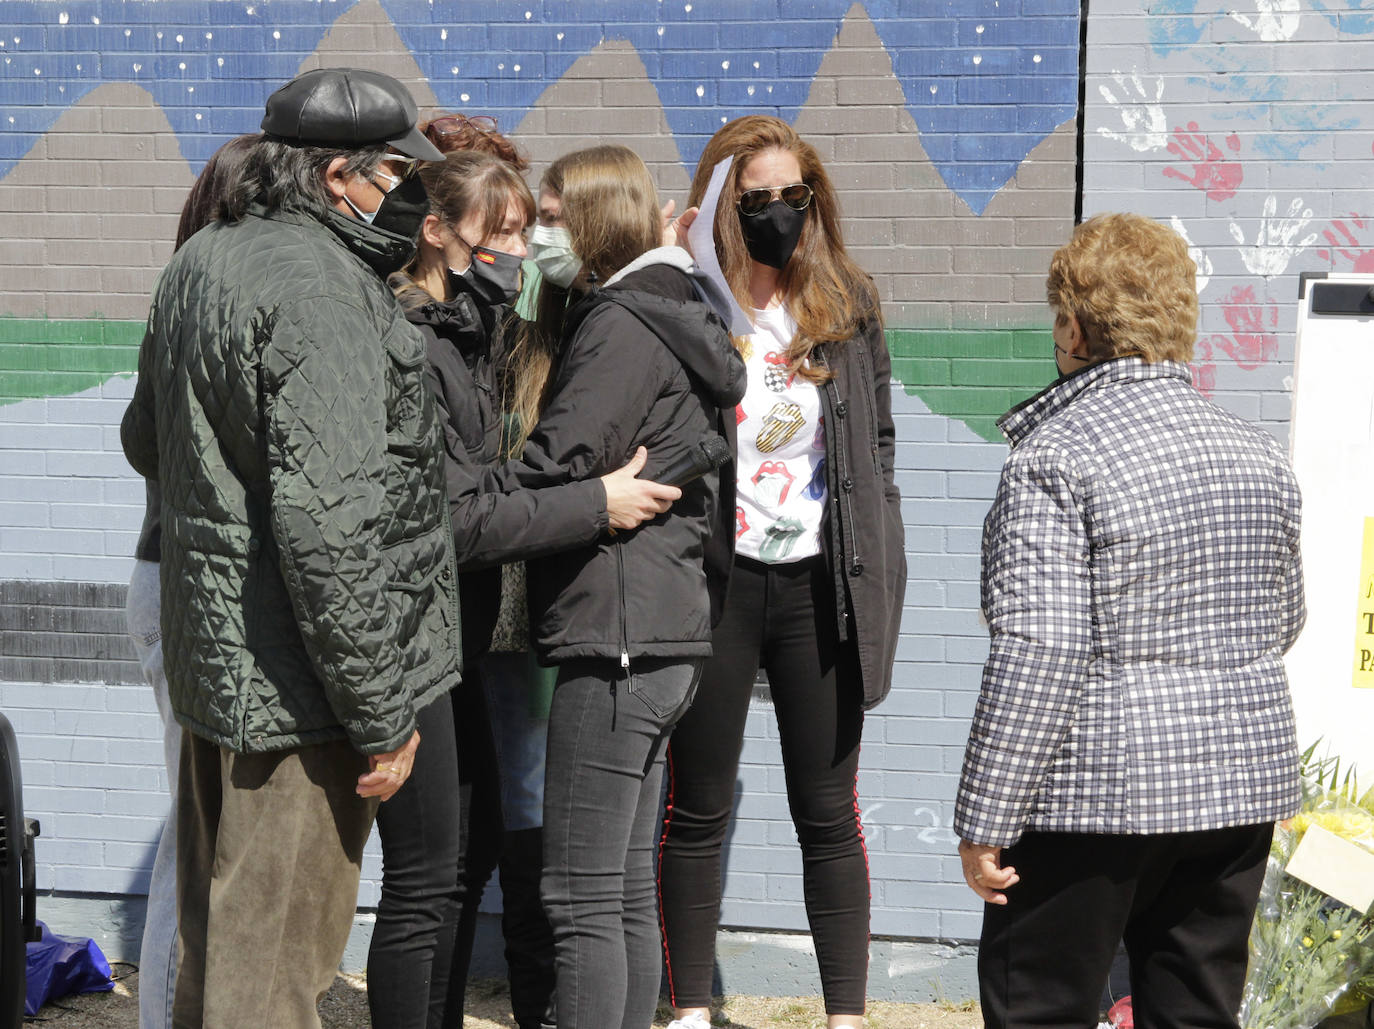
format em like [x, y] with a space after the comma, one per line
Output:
[627, 618]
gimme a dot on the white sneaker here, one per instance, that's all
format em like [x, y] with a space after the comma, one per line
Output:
[696, 1020]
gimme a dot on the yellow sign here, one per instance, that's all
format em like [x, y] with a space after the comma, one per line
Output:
[1364, 620]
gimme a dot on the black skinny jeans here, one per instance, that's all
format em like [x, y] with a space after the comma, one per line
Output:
[780, 617]
[441, 837]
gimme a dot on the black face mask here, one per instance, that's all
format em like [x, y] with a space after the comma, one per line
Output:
[493, 275]
[403, 210]
[771, 235]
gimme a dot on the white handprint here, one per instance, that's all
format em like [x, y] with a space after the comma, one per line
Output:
[1274, 247]
[1141, 115]
[1275, 20]
[1199, 256]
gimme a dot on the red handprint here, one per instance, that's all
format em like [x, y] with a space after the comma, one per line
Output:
[1253, 324]
[1218, 178]
[1345, 244]
[1204, 371]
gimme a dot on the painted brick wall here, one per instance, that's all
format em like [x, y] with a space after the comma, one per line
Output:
[949, 128]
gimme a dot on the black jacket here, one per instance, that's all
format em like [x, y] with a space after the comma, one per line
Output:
[863, 538]
[490, 528]
[645, 363]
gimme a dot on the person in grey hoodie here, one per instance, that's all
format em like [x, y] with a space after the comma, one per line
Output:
[626, 619]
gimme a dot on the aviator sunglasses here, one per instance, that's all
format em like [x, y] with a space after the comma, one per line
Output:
[752, 201]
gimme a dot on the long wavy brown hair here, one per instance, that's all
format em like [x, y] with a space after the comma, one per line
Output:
[610, 207]
[825, 292]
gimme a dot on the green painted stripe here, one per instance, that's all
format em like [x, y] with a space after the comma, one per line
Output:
[971, 375]
[42, 357]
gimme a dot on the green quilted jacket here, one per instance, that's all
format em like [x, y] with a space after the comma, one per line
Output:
[308, 590]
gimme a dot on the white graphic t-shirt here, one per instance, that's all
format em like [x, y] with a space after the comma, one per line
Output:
[780, 463]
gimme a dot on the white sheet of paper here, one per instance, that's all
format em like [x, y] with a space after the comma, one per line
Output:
[702, 239]
[1340, 869]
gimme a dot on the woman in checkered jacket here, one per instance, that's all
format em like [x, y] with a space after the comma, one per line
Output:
[1133, 742]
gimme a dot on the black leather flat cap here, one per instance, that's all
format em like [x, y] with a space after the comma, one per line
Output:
[347, 108]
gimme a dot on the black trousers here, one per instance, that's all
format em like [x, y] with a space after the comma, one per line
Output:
[780, 617]
[1182, 903]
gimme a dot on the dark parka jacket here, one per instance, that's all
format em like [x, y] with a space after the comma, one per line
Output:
[490, 528]
[645, 363]
[863, 536]
[307, 579]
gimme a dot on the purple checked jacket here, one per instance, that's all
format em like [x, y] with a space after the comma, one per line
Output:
[1141, 581]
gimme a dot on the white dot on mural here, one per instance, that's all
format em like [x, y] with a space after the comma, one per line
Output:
[209, 35]
[977, 58]
[276, 35]
[687, 8]
[751, 91]
[138, 68]
[501, 67]
[515, 67]
[725, 65]
[11, 119]
[722, 119]
[181, 66]
[219, 61]
[660, 30]
[443, 34]
[190, 89]
[159, 35]
[756, 65]
[770, 89]
[934, 90]
[453, 70]
[701, 91]
[128, 33]
[248, 10]
[464, 97]
[180, 38]
[199, 116]
[559, 37]
[95, 21]
[979, 30]
[62, 18]
[38, 71]
[78, 67]
[529, 15]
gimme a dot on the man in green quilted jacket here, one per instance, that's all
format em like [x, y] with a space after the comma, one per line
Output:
[308, 600]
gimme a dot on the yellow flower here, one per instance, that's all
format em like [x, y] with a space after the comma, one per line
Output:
[1307, 941]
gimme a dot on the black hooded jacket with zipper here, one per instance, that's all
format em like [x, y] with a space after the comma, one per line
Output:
[645, 363]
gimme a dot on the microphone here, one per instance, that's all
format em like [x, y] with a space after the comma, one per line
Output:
[708, 455]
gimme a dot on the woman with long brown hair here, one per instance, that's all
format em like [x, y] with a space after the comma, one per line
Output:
[818, 572]
[627, 619]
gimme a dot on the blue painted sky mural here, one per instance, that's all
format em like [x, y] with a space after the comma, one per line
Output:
[984, 80]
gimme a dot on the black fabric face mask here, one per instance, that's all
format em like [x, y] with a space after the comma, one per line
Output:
[494, 276]
[771, 235]
[403, 210]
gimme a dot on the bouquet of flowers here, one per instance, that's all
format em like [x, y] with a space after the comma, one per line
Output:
[1310, 955]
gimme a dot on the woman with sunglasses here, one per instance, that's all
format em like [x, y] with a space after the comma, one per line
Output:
[442, 832]
[818, 574]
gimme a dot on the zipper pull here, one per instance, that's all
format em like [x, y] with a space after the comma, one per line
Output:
[625, 660]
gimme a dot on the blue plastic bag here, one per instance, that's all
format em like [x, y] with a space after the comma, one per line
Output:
[62, 965]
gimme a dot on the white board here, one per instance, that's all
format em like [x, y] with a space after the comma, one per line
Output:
[1332, 446]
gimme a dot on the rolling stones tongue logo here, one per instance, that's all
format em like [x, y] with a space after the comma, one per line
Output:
[741, 523]
[775, 377]
[780, 424]
[771, 484]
